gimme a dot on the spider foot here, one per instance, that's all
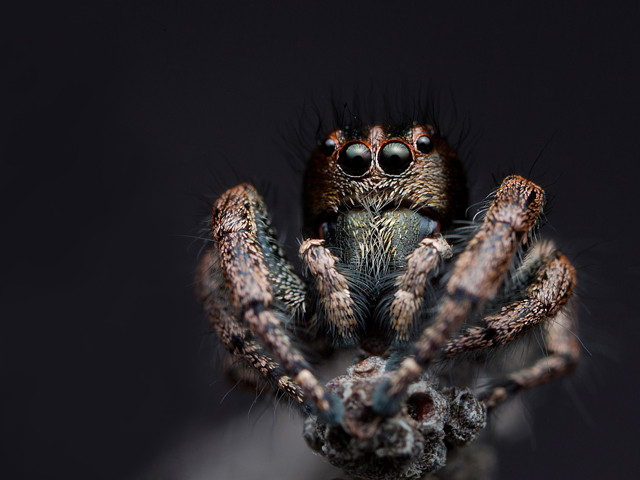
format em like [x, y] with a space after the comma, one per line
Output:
[389, 396]
[335, 413]
[384, 403]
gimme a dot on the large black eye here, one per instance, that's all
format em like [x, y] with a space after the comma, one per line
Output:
[395, 158]
[355, 159]
[424, 144]
[328, 146]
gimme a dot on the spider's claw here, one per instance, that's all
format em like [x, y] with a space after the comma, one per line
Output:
[384, 404]
[335, 413]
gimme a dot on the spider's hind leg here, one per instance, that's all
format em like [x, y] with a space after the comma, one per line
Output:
[247, 287]
[562, 353]
[546, 303]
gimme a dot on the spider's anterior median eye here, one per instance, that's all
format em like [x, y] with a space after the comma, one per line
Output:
[355, 159]
[328, 146]
[395, 158]
[424, 144]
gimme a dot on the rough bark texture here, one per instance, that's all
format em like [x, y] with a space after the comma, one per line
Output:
[409, 444]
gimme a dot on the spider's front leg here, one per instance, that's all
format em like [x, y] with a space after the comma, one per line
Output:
[247, 287]
[478, 274]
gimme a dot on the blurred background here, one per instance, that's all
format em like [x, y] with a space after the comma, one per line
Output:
[120, 117]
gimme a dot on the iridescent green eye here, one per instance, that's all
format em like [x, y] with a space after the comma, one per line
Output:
[394, 158]
[424, 144]
[355, 159]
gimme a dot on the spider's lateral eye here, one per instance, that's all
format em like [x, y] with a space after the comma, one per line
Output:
[328, 146]
[424, 144]
[395, 158]
[355, 159]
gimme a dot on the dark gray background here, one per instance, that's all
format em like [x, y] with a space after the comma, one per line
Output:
[118, 116]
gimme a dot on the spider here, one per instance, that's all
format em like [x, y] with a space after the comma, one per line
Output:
[389, 267]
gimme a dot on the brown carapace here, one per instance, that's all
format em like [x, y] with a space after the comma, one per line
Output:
[390, 268]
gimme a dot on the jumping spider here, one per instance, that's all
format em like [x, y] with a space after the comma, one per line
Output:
[391, 268]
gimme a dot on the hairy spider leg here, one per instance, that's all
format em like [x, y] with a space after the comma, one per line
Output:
[563, 353]
[335, 305]
[546, 300]
[422, 264]
[253, 270]
[212, 292]
[478, 273]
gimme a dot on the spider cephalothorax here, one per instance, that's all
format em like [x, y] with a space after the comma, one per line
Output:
[379, 166]
[387, 268]
[371, 195]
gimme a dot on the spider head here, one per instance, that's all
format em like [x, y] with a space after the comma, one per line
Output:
[381, 188]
